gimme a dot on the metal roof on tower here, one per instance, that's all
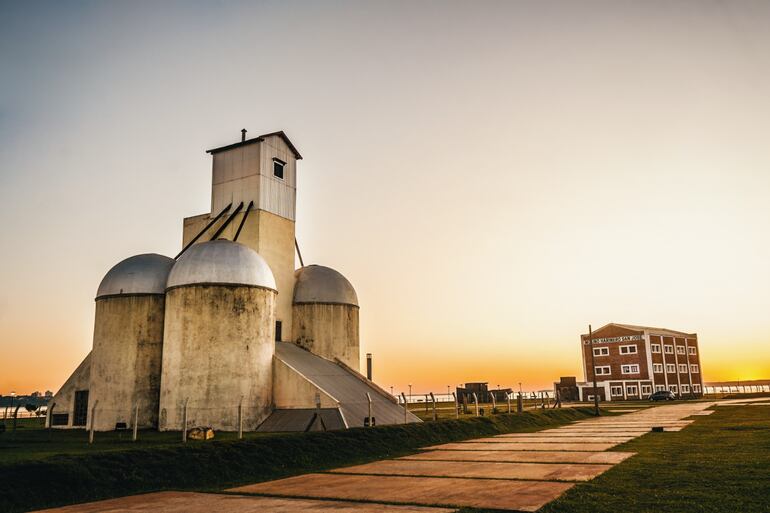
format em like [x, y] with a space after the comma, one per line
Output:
[259, 139]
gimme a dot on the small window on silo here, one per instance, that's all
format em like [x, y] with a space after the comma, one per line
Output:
[277, 331]
[278, 166]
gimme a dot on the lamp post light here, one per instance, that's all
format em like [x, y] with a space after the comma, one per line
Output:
[593, 370]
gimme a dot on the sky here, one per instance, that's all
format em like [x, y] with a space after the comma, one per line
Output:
[491, 176]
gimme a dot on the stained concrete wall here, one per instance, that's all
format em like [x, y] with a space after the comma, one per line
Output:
[126, 360]
[218, 348]
[293, 390]
[64, 400]
[328, 330]
[269, 235]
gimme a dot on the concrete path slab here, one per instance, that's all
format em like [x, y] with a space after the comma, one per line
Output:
[524, 446]
[610, 458]
[477, 469]
[189, 502]
[560, 439]
[444, 491]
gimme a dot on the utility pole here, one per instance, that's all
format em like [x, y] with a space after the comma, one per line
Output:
[593, 370]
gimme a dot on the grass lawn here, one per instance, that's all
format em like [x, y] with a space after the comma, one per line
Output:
[719, 464]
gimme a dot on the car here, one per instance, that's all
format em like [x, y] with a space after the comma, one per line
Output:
[663, 395]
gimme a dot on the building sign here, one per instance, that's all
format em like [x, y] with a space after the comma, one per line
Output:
[626, 338]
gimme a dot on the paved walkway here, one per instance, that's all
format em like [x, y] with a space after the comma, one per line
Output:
[516, 472]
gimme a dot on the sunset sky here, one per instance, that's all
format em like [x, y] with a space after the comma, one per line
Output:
[491, 176]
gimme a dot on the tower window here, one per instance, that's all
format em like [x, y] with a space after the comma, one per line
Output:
[278, 326]
[278, 166]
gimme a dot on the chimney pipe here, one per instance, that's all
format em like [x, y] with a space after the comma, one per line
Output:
[369, 366]
[243, 134]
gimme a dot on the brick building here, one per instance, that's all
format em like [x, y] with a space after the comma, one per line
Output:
[632, 362]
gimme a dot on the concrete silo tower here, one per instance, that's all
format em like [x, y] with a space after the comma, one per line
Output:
[253, 201]
[218, 343]
[128, 341]
[325, 314]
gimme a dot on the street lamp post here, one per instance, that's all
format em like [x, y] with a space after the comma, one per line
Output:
[593, 370]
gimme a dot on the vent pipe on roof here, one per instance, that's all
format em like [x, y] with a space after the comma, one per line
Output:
[369, 366]
[243, 134]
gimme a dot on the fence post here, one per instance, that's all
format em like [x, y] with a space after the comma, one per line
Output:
[406, 406]
[184, 421]
[240, 419]
[509, 402]
[476, 402]
[433, 399]
[494, 404]
[457, 407]
[93, 417]
[136, 422]
[519, 403]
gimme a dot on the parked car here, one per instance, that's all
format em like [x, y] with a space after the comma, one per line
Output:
[663, 395]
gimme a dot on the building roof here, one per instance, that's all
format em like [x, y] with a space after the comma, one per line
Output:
[345, 386]
[319, 284]
[221, 262]
[259, 139]
[656, 331]
[140, 274]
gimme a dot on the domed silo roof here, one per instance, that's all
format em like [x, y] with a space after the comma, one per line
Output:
[221, 262]
[140, 274]
[319, 284]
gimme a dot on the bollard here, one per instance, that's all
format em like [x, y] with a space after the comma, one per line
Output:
[406, 406]
[509, 402]
[457, 407]
[519, 404]
[476, 402]
[93, 415]
[136, 422]
[433, 400]
[184, 421]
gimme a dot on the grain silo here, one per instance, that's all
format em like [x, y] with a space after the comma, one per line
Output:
[325, 313]
[219, 329]
[128, 340]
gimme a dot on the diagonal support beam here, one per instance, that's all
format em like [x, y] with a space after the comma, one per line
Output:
[204, 230]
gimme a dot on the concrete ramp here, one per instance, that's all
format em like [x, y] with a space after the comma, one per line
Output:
[338, 387]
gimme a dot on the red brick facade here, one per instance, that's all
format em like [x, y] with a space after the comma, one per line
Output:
[631, 362]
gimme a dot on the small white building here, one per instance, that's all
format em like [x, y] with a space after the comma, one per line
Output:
[228, 334]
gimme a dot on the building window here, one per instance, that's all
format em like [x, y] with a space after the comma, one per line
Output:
[655, 348]
[278, 166]
[278, 329]
[616, 391]
[691, 350]
[683, 368]
[694, 368]
[696, 389]
[672, 388]
[671, 368]
[657, 368]
[601, 351]
[630, 369]
[632, 390]
[646, 389]
[680, 349]
[685, 389]
[669, 349]
[603, 371]
[627, 349]
[660, 388]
